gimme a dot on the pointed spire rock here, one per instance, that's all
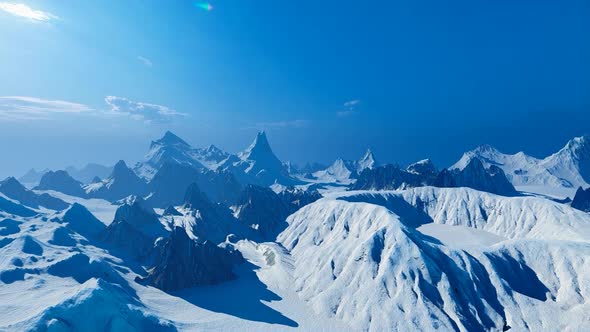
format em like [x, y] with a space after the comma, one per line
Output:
[262, 165]
[120, 166]
[260, 148]
[122, 172]
[366, 162]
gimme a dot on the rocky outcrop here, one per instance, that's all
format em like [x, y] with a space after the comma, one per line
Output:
[475, 175]
[582, 200]
[184, 262]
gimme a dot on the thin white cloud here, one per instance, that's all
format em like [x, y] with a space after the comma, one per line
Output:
[141, 111]
[20, 108]
[22, 10]
[352, 103]
[345, 113]
[283, 124]
[146, 62]
[350, 108]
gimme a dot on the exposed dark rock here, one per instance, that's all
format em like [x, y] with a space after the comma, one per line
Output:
[582, 200]
[184, 262]
[476, 176]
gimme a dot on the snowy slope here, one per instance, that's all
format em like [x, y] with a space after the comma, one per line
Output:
[509, 217]
[376, 271]
[417, 259]
[338, 172]
[15, 190]
[377, 274]
[53, 278]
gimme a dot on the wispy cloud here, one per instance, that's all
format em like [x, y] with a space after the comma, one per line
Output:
[19, 108]
[141, 111]
[352, 103]
[22, 10]
[283, 124]
[345, 113]
[24, 108]
[350, 108]
[147, 62]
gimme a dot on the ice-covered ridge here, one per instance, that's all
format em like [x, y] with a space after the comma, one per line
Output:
[374, 270]
[559, 174]
[509, 217]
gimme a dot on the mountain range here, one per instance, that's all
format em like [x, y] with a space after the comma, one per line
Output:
[198, 239]
[559, 174]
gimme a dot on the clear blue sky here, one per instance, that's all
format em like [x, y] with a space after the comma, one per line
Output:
[411, 79]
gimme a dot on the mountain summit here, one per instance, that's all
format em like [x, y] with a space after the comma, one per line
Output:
[258, 164]
[559, 174]
[168, 149]
[170, 138]
[261, 153]
[366, 162]
[121, 183]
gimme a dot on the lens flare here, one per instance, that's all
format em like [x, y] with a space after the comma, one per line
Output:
[204, 5]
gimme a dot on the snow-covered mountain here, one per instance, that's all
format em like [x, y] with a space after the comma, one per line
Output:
[417, 257]
[367, 161]
[184, 263]
[424, 167]
[205, 220]
[121, 183]
[168, 149]
[258, 165]
[559, 174]
[475, 175]
[83, 175]
[309, 168]
[423, 258]
[375, 269]
[32, 177]
[87, 173]
[210, 156]
[338, 172]
[391, 177]
[13, 208]
[15, 190]
[345, 171]
[61, 181]
[423, 173]
[169, 185]
[135, 229]
[264, 212]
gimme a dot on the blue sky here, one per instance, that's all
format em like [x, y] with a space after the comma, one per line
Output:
[90, 81]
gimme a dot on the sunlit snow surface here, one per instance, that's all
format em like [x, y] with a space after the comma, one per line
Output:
[418, 259]
[101, 209]
[460, 237]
